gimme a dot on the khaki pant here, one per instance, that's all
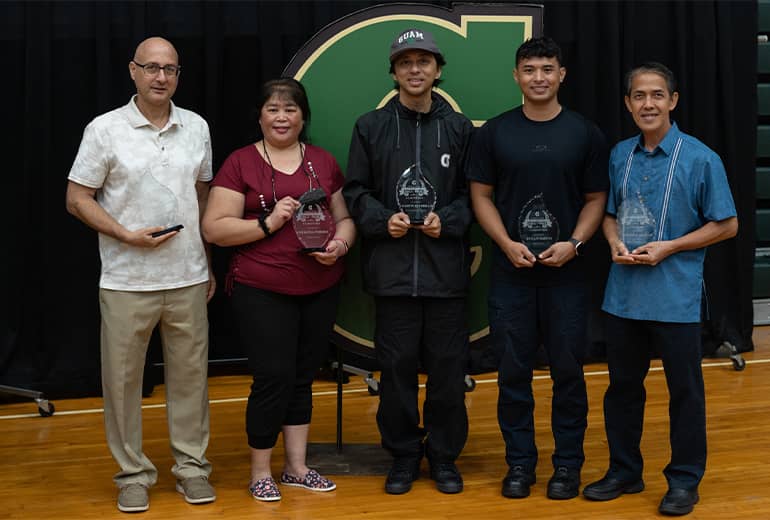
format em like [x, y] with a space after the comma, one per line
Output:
[128, 319]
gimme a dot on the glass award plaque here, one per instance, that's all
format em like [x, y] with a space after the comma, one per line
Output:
[313, 223]
[636, 224]
[415, 195]
[159, 206]
[538, 228]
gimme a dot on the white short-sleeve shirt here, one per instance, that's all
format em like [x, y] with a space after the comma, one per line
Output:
[145, 176]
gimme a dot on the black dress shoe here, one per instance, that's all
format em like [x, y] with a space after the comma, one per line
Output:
[401, 475]
[517, 482]
[564, 484]
[610, 488]
[447, 477]
[678, 502]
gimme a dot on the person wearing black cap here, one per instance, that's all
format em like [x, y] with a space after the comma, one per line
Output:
[406, 191]
[538, 181]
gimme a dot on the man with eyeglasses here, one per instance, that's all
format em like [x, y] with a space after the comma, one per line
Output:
[140, 179]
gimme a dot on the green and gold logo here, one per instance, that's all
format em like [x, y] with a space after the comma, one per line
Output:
[345, 71]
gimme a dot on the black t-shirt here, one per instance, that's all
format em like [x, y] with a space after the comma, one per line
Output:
[561, 159]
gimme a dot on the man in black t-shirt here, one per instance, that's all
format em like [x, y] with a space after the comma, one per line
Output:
[539, 185]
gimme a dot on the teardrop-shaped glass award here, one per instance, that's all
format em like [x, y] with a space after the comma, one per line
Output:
[159, 207]
[415, 195]
[312, 222]
[636, 223]
[538, 228]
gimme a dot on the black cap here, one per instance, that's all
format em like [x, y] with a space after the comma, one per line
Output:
[413, 39]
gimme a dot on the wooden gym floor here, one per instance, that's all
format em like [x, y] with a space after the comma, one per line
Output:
[59, 467]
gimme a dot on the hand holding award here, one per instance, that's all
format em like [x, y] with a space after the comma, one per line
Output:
[636, 224]
[415, 195]
[313, 223]
[538, 228]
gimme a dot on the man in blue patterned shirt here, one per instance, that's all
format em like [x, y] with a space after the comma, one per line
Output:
[669, 199]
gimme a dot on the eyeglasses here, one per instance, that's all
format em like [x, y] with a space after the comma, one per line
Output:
[152, 69]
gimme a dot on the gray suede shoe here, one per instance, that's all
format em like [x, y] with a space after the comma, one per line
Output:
[133, 498]
[196, 490]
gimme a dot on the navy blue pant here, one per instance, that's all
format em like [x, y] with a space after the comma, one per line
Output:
[432, 334]
[630, 344]
[520, 319]
[286, 338]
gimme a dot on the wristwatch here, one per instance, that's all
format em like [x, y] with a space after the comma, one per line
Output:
[577, 243]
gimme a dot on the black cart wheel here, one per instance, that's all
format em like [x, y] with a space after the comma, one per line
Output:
[46, 410]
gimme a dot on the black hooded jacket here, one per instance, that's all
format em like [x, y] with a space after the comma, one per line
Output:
[384, 144]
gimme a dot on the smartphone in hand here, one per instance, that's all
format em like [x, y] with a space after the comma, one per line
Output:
[167, 230]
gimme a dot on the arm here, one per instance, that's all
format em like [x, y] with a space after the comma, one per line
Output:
[344, 235]
[489, 219]
[81, 203]
[588, 222]
[595, 179]
[712, 232]
[454, 219]
[372, 217]
[618, 250]
[223, 223]
[202, 191]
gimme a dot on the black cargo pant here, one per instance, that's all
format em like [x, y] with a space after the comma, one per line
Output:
[429, 334]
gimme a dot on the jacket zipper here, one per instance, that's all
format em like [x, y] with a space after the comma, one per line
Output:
[416, 256]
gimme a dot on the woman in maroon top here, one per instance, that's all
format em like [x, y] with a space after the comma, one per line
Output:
[284, 300]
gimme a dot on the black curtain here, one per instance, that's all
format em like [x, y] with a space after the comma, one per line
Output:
[711, 48]
[66, 62]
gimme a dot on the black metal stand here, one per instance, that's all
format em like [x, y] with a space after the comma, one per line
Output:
[44, 407]
[351, 459]
[728, 350]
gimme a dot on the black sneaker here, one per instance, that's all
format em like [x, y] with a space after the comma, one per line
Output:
[401, 475]
[564, 484]
[517, 482]
[447, 477]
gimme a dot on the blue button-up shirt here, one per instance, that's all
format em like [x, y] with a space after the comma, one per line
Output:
[683, 184]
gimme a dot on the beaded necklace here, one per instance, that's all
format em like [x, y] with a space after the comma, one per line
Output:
[310, 176]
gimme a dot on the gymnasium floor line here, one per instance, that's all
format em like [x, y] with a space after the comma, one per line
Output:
[705, 364]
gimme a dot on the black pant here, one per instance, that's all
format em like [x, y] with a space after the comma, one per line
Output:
[430, 333]
[520, 319]
[285, 338]
[629, 347]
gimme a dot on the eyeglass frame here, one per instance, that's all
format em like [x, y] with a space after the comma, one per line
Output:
[177, 68]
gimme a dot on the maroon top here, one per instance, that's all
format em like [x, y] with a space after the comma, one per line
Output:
[275, 263]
